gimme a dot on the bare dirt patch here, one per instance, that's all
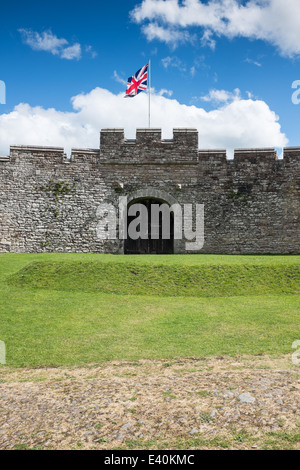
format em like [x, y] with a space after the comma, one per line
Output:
[184, 403]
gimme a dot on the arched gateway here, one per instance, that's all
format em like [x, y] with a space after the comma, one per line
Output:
[146, 243]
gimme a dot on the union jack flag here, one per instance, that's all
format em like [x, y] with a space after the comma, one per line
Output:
[137, 83]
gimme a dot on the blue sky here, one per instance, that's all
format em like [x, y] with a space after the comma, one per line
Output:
[229, 77]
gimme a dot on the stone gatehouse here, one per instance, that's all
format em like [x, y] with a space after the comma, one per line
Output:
[51, 203]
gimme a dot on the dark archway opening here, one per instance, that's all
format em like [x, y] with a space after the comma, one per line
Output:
[159, 246]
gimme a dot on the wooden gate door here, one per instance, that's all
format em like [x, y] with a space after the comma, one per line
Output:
[149, 246]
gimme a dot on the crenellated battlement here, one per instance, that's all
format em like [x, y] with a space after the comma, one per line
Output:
[291, 155]
[256, 155]
[111, 138]
[149, 147]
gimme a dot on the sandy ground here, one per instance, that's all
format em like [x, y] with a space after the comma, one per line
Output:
[190, 403]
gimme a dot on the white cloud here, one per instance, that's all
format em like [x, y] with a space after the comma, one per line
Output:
[43, 42]
[119, 79]
[91, 51]
[241, 123]
[171, 36]
[274, 21]
[174, 62]
[222, 96]
[253, 62]
[72, 52]
[47, 41]
[164, 91]
[207, 39]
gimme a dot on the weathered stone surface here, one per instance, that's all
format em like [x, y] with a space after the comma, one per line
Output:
[247, 398]
[49, 203]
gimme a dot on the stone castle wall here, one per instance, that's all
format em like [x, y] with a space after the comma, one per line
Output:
[49, 203]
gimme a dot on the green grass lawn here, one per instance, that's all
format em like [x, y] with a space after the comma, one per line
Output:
[76, 309]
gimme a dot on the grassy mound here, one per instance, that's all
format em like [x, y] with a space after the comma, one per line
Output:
[160, 280]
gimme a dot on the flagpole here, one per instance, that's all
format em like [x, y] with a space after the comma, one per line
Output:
[149, 93]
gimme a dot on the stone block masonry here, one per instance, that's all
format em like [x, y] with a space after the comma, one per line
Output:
[49, 203]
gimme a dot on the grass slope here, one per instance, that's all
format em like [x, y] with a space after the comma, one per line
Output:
[53, 326]
[160, 280]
